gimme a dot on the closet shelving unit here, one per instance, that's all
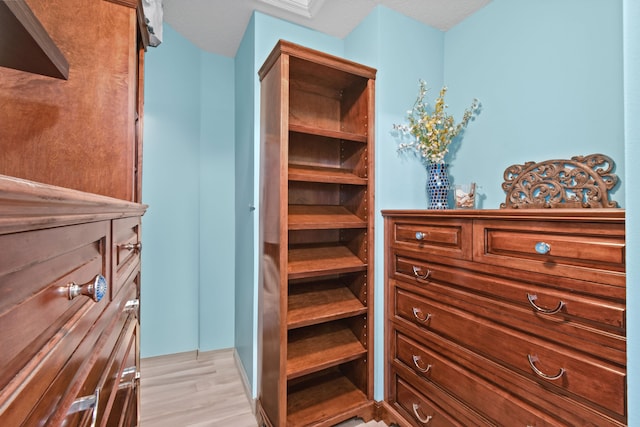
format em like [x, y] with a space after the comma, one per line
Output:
[316, 220]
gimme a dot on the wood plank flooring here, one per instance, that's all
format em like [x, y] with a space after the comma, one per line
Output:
[199, 390]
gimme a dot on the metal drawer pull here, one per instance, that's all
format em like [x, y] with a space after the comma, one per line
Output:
[420, 235]
[416, 407]
[132, 246]
[417, 359]
[533, 359]
[132, 304]
[132, 370]
[95, 289]
[87, 402]
[543, 248]
[539, 309]
[416, 272]
[417, 314]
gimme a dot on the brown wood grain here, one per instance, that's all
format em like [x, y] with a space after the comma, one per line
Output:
[77, 133]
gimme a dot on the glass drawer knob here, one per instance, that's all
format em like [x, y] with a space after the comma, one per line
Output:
[95, 289]
[419, 235]
[542, 248]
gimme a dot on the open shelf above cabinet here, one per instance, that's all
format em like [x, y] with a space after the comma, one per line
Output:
[25, 44]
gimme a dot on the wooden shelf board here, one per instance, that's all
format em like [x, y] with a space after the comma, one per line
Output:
[323, 398]
[324, 174]
[25, 44]
[319, 347]
[294, 127]
[314, 217]
[316, 261]
[313, 303]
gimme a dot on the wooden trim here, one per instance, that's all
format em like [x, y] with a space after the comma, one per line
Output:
[25, 44]
[25, 205]
[603, 214]
[292, 49]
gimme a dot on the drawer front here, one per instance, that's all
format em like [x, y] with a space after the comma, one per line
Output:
[539, 298]
[435, 236]
[481, 395]
[92, 373]
[421, 411]
[556, 367]
[592, 252]
[127, 245]
[42, 326]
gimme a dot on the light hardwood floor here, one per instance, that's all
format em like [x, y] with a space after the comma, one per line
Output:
[199, 390]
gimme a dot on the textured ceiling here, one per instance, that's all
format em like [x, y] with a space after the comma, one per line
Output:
[217, 26]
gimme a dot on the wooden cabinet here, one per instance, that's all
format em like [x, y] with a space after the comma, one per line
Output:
[67, 355]
[84, 132]
[316, 221]
[69, 219]
[510, 317]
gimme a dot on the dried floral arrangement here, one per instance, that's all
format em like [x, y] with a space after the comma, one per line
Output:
[433, 129]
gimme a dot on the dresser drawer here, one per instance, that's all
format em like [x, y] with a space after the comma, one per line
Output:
[435, 236]
[127, 245]
[420, 410]
[541, 299]
[485, 398]
[557, 367]
[42, 326]
[589, 251]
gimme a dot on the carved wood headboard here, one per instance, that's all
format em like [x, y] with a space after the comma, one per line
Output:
[581, 182]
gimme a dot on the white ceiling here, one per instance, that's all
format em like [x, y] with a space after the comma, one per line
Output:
[217, 26]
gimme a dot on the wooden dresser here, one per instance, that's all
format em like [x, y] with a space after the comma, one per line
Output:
[69, 289]
[70, 212]
[506, 317]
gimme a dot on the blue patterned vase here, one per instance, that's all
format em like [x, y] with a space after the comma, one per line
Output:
[438, 185]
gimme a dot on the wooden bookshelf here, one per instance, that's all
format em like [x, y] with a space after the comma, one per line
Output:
[317, 224]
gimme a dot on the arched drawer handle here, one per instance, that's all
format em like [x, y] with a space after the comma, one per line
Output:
[131, 246]
[539, 309]
[87, 402]
[417, 314]
[420, 418]
[416, 272]
[95, 289]
[420, 235]
[542, 248]
[538, 372]
[416, 360]
[132, 305]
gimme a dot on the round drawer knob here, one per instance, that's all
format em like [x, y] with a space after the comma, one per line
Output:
[95, 289]
[543, 248]
[419, 235]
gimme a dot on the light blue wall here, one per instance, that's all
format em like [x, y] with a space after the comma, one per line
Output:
[632, 154]
[170, 185]
[188, 111]
[217, 202]
[549, 75]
